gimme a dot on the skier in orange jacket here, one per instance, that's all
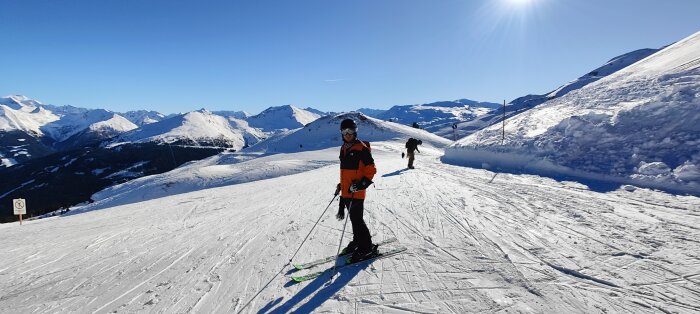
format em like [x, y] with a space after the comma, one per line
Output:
[356, 173]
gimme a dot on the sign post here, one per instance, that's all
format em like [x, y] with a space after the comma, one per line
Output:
[20, 206]
[503, 138]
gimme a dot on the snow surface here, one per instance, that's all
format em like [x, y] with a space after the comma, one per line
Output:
[7, 162]
[208, 236]
[646, 113]
[612, 66]
[477, 242]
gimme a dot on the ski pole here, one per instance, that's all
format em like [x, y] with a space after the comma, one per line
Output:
[291, 258]
[352, 197]
[312, 229]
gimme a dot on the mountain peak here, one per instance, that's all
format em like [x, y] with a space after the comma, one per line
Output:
[19, 102]
[282, 117]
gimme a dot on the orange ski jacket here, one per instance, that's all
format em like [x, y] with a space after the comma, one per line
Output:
[355, 162]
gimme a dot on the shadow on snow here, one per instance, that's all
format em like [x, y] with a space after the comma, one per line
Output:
[319, 288]
[395, 173]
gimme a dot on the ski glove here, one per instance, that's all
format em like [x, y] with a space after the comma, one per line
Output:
[360, 185]
[341, 210]
[402, 154]
[337, 189]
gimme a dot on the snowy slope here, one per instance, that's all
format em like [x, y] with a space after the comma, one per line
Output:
[615, 64]
[639, 125]
[325, 132]
[196, 127]
[281, 118]
[527, 102]
[477, 243]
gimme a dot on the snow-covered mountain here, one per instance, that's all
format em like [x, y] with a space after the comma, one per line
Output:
[280, 118]
[640, 125]
[97, 132]
[240, 115]
[19, 113]
[57, 123]
[18, 102]
[437, 115]
[73, 120]
[325, 132]
[200, 127]
[30, 129]
[319, 112]
[371, 112]
[143, 117]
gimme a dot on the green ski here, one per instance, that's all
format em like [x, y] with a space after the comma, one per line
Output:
[332, 258]
[382, 254]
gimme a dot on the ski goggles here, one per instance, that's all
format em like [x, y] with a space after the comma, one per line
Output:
[347, 131]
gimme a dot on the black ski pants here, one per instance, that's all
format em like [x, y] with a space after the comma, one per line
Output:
[360, 233]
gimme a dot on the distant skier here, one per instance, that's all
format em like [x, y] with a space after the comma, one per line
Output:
[412, 145]
[356, 173]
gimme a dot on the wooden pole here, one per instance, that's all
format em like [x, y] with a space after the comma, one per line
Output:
[20, 219]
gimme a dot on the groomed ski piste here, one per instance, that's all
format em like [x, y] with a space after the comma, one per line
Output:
[210, 235]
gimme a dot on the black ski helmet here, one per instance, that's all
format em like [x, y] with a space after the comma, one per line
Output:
[348, 124]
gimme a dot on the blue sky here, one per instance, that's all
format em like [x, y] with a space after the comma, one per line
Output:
[176, 56]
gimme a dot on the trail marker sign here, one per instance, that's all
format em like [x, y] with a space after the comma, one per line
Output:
[20, 206]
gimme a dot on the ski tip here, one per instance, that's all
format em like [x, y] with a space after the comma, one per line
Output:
[297, 279]
[298, 266]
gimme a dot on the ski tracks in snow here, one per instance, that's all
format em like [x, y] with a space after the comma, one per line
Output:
[526, 244]
[477, 242]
